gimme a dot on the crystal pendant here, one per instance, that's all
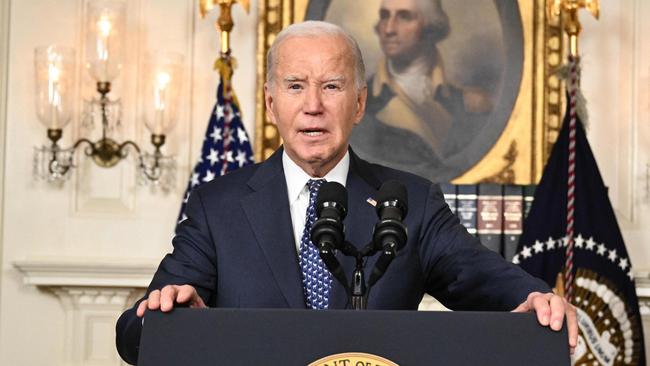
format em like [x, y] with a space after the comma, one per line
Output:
[161, 176]
[48, 168]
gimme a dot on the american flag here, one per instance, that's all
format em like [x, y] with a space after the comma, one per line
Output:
[226, 145]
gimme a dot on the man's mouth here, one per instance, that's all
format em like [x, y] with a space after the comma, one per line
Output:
[312, 132]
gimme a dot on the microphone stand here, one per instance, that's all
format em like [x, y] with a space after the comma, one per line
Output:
[358, 289]
[359, 293]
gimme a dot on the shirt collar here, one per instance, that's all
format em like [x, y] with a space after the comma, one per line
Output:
[382, 76]
[297, 178]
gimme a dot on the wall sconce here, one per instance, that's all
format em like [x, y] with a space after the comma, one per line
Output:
[55, 69]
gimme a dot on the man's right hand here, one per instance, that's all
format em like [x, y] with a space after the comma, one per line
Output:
[164, 299]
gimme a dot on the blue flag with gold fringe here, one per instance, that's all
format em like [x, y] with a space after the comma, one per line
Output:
[603, 282]
[226, 145]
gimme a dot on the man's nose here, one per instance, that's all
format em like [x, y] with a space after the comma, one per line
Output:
[390, 25]
[313, 103]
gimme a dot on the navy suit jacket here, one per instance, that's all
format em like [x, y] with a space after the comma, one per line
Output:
[237, 249]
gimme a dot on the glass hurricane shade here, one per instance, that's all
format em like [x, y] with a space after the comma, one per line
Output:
[162, 75]
[105, 38]
[55, 71]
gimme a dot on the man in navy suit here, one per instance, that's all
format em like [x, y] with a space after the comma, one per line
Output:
[240, 245]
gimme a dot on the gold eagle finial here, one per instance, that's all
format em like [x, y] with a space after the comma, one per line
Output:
[568, 11]
[224, 23]
[225, 63]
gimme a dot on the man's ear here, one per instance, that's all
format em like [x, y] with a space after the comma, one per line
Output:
[362, 97]
[268, 102]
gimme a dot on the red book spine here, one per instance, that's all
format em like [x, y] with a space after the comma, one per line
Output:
[490, 216]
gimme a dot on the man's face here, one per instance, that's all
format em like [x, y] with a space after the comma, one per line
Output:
[400, 28]
[313, 100]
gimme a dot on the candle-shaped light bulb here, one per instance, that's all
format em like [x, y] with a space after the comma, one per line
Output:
[105, 37]
[162, 80]
[53, 73]
[104, 25]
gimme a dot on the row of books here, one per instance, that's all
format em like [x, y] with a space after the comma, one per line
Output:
[493, 212]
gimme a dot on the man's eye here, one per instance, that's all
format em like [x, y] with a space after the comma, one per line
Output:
[295, 86]
[406, 16]
[331, 87]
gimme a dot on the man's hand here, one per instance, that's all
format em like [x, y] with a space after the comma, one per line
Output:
[551, 309]
[164, 299]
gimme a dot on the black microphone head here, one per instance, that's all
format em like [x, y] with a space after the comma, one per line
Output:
[332, 194]
[392, 194]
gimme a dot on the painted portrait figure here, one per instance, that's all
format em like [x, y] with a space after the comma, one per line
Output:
[436, 80]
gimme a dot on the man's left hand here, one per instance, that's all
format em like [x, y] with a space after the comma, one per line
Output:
[551, 309]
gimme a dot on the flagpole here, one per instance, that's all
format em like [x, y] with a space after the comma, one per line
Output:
[225, 63]
[568, 11]
[226, 145]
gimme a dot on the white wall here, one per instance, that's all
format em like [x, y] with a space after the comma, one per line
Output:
[100, 214]
[4, 45]
[616, 83]
[110, 220]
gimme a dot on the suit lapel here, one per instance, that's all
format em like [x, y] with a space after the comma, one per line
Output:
[267, 210]
[361, 184]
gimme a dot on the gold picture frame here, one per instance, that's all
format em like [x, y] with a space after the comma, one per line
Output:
[521, 149]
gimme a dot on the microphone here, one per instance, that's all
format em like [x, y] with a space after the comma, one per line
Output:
[327, 233]
[331, 209]
[390, 233]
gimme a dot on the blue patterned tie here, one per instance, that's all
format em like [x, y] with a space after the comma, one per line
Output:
[316, 279]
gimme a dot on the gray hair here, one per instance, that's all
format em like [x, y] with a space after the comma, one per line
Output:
[435, 19]
[316, 28]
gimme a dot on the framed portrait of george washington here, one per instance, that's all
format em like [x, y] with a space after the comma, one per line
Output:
[458, 90]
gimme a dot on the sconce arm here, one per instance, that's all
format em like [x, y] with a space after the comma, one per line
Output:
[81, 141]
[58, 166]
[124, 152]
[153, 170]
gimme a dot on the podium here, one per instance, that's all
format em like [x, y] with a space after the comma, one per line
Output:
[248, 337]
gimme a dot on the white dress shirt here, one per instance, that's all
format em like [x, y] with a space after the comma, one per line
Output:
[298, 191]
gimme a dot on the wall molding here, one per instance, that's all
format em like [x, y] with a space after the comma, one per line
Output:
[98, 191]
[117, 272]
[641, 183]
[93, 293]
[4, 73]
[627, 144]
[90, 316]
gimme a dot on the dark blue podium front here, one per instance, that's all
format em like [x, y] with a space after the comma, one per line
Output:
[248, 337]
